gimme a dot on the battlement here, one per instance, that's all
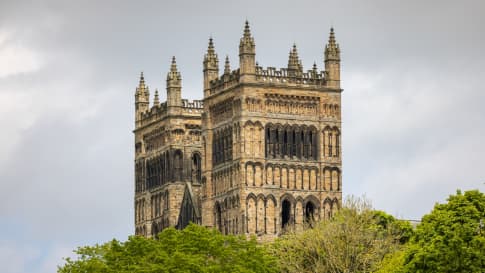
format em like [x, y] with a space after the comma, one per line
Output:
[157, 112]
[224, 81]
[270, 75]
[192, 107]
[285, 76]
[195, 104]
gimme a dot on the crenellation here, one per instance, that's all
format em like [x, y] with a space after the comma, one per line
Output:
[260, 154]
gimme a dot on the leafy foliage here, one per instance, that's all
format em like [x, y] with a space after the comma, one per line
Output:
[194, 249]
[356, 240]
[451, 238]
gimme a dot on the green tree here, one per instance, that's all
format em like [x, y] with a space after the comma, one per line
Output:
[451, 238]
[194, 249]
[355, 240]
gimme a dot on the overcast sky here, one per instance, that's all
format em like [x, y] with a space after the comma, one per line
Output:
[413, 106]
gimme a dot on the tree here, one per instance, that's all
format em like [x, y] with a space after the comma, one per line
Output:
[451, 238]
[355, 240]
[194, 249]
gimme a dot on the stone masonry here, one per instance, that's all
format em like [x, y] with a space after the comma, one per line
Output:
[260, 153]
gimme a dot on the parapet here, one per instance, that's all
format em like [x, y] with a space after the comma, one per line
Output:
[285, 76]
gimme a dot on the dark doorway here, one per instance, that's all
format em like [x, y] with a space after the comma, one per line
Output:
[285, 213]
[218, 217]
[309, 212]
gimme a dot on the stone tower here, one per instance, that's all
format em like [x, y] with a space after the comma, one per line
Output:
[167, 158]
[268, 140]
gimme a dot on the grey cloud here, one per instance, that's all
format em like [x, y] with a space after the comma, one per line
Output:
[412, 120]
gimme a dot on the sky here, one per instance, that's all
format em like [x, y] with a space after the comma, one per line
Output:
[413, 117]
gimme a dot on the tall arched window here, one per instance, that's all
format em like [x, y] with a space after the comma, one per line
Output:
[196, 168]
[178, 165]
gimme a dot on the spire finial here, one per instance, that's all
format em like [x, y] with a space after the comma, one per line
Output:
[173, 66]
[173, 74]
[210, 58]
[211, 53]
[293, 62]
[332, 50]
[142, 81]
[247, 41]
[227, 66]
[156, 99]
[247, 31]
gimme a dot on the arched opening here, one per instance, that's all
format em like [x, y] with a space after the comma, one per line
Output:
[196, 168]
[309, 212]
[178, 165]
[285, 213]
[218, 217]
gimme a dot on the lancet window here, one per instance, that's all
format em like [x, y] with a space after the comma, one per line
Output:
[291, 141]
[222, 146]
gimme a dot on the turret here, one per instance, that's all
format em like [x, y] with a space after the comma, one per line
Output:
[332, 62]
[174, 87]
[156, 99]
[247, 56]
[294, 64]
[227, 66]
[141, 100]
[211, 67]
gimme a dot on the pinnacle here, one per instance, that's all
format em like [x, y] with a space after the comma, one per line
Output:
[332, 50]
[247, 31]
[141, 84]
[173, 74]
[331, 40]
[173, 66]
[227, 67]
[293, 62]
[156, 99]
[210, 49]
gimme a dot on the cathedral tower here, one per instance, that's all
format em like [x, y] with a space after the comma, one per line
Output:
[260, 154]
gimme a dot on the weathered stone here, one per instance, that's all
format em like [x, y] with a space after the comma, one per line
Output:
[261, 152]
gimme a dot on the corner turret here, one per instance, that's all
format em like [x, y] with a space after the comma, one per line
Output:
[332, 61]
[247, 55]
[142, 100]
[174, 86]
[211, 67]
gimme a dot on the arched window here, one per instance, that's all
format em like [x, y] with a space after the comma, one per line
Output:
[309, 212]
[196, 168]
[178, 165]
[218, 216]
[285, 213]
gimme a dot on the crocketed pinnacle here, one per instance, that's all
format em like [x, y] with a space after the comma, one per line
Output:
[142, 89]
[332, 50]
[173, 75]
[247, 31]
[227, 66]
[156, 99]
[211, 60]
[293, 62]
[210, 49]
[246, 44]
[142, 81]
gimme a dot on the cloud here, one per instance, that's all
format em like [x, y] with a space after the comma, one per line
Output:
[21, 258]
[411, 144]
[16, 58]
[412, 113]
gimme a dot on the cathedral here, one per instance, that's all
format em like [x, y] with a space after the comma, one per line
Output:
[260, 153]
